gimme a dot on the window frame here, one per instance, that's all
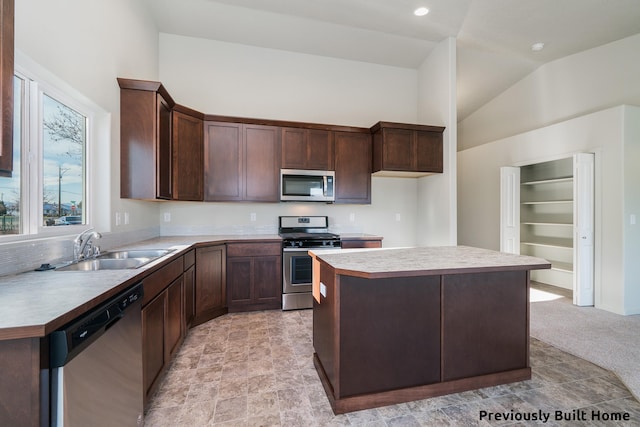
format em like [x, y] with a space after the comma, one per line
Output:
[36, 83]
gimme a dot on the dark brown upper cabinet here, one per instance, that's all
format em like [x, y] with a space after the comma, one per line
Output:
[353, 167]
[145, 140]
[406, 150]
[6, 86]
[307, 149]
[242, 162]
[188, 154]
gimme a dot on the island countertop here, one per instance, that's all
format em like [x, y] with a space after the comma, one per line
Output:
[422, 261]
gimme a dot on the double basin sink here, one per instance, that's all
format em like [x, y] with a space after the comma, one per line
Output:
[117, 260]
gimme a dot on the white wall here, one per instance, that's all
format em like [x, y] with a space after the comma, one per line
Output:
[87, 45]
[568, 87]
[631, 230]
[238, 80]
[603, 133]
[437, 203]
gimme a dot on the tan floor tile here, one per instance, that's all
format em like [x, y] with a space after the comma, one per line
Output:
[256, 369]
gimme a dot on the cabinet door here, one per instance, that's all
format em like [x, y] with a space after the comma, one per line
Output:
[6, 87]
[239, 280]
[164, 178]
[153, 335]
[294, 148]
[254, 283]
[174, 320]
[398, 152]
[267, 282]
[188, 152]
[261, 163]
[320, 150]
[210, 291]
[429, 151]
[223, 156]
[353, 167]
[189, 296]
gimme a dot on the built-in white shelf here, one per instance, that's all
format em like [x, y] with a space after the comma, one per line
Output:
[547, 202]
[562, 266]
[546, 218]
[563, 224]
[551, 243]
[549, 181]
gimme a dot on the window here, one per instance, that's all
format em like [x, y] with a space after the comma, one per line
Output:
[46, 192]
[63, 146]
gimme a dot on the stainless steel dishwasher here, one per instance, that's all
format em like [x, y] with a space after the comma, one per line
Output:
[96, 366]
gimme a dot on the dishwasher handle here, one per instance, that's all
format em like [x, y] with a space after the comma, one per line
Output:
[66, 342]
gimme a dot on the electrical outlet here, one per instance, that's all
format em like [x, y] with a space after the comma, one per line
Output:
[252, 216]
[118, 219]
[126, 218]
[167, 217]
[398, 218]
[352, 217]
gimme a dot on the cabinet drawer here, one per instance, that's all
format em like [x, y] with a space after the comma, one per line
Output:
[189, 259]
[156, 282]
[253, 249]
[349, 244]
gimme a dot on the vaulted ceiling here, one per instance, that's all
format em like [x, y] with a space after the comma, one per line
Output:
[494, 37]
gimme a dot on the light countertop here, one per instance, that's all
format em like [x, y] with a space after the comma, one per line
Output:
[36, 303]
[420, 261]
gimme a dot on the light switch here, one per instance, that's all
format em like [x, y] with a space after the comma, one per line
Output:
[323, 289]
[632, 219]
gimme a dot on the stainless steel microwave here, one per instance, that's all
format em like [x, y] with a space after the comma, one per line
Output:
[307, 185]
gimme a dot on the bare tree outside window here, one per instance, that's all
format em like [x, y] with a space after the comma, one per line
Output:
[63, 162]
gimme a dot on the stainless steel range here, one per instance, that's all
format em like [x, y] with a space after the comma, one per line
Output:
[299, 234]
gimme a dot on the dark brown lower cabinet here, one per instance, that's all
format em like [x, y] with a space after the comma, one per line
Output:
[189, 296]
[189, 278]
[21, 361]
[254, 277]
[163, 322]
[153, 359]
[175, 317]
[360, 243]
[210, 285]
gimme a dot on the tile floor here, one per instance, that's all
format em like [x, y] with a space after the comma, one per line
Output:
[256, 369]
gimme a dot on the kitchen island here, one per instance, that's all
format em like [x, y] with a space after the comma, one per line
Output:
[396, 325]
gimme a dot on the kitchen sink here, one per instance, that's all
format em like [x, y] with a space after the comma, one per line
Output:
[135, 253]
[117, 260]
[105, 264]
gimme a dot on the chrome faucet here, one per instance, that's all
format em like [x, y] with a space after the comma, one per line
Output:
[83, 247]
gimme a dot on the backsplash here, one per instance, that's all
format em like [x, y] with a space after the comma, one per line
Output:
[21, 256]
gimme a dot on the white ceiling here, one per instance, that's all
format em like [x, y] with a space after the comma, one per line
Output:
[494, 36]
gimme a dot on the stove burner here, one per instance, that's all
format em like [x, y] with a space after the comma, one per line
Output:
[308, 236]
[307, 232]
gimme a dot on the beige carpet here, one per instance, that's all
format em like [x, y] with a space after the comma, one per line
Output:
[606, 339]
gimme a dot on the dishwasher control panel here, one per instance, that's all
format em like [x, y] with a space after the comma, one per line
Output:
[69, 340]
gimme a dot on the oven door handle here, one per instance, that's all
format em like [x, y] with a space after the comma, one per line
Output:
[295, 249]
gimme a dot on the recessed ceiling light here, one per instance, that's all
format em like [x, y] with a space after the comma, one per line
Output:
[421, 11]
[536, 47]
